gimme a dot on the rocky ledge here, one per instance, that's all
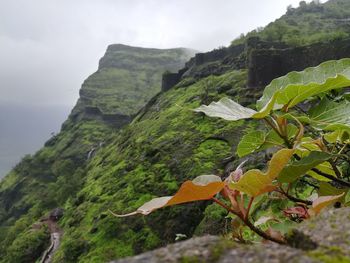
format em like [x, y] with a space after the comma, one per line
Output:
[325, 238]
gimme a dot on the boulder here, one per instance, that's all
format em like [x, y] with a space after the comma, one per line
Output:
[328, 234]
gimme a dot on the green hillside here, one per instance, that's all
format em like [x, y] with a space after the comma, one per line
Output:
[307, 24]
[58, 171]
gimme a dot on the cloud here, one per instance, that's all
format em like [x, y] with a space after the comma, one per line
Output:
[49, 47]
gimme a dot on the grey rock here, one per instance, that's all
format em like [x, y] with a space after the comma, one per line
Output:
[330, 230]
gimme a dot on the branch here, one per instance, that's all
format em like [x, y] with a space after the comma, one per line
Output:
[249, 224]
[331, 177]
[293, 198]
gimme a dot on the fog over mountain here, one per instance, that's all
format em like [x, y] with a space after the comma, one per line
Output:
[47, 49]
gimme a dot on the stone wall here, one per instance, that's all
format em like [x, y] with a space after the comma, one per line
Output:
[266, 64]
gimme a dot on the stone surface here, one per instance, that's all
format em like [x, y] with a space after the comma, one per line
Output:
[330, 231]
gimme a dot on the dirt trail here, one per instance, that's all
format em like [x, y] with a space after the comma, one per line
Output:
[56, 234]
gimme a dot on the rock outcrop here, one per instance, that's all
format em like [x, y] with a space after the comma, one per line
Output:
[330, 231]
[264, 60]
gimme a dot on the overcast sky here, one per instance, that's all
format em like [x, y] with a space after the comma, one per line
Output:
[48, 47]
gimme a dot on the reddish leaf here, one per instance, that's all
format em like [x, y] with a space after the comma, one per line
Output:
[203, 187]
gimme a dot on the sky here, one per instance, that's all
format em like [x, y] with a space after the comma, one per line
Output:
[48, 47]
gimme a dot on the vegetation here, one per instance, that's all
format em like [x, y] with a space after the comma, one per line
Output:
[316, 155]
[307, 24]
[55, 175]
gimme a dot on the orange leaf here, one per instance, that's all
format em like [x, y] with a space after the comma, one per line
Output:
[203, 187]
[190, 192]
[323, 202]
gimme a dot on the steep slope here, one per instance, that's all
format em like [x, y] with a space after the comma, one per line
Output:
[56, 172]
[166, 144]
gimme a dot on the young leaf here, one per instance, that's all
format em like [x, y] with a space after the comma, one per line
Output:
[323, 202]
[203, 187]
[298, 86]
[293, 171]
[250, 143]
[255, 182]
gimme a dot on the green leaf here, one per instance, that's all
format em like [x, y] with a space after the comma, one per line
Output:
[328, 189]
[329, 115]
[226, 109]
[255, 182]
[273, 139]
[325, 167]
[250, 143]
[341, 136]
[232, 111]
[298, 86]
[293, 171]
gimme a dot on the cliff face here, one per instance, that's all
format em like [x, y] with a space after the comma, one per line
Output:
[127, 77]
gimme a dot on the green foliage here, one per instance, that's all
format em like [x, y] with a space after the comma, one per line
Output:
[297, 157]
[28, 246]
[310, 23]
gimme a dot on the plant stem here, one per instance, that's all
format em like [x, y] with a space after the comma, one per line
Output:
[249, 224]
[251, 200]
[293, 198]
[331, 177]
[286, 141]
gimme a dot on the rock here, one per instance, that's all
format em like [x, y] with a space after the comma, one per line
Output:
[330, 232]
[56, 214]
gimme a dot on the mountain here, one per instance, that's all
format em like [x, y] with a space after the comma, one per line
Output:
[114, 154]
[58, 171]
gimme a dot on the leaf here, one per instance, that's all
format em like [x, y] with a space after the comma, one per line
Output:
[232, 111]
[255, 182]
[298, 86]
[250, 143]
[206, 179]
[227, 110]
[296, 169]
[148, 207]
[203, 187]
[323, 202]
[327, 189]
[190, 192]
[264, 219]
[338, 135]
[329, 115]
[273, 139]
[325, 167]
